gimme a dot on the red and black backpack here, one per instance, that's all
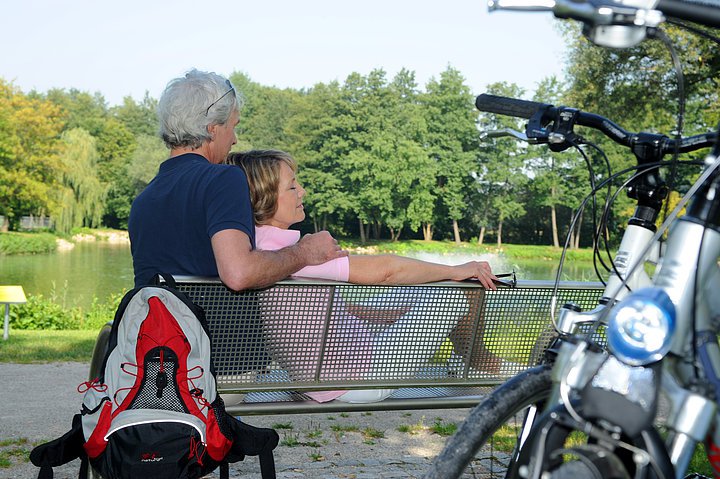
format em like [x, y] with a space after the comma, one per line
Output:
[154, 411]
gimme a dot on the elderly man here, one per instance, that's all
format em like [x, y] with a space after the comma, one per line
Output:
[195, 218]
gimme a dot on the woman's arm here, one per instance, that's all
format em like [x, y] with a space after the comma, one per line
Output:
[392, 269]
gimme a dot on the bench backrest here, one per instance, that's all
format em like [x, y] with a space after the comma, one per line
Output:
[306, 335]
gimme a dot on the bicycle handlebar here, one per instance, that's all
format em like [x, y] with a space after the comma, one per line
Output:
[543, 114]
[619, 23]
[705, 12]
[640, 13]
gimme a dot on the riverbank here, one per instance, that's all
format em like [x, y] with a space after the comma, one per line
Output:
[19, 243]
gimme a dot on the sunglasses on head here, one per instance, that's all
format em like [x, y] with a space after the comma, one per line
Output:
[231, 89]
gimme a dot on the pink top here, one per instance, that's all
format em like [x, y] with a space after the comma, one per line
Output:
[294, 329]
[271, 238]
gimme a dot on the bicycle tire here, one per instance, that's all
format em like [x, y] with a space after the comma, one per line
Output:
[507, 404]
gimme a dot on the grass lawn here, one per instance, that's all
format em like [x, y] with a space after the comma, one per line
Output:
[513, 252]
[36, 346]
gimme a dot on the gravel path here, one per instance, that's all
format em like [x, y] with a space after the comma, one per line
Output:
[39, 400]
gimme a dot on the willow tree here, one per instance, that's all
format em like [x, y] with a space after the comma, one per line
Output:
[82, 196]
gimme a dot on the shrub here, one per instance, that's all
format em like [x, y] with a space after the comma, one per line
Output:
[42, 313]
[100, 313]
[26, 243]
[45, 313]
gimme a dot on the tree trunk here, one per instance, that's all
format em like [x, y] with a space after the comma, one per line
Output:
[456, 231]
[427, 232]
[363, 237]
[5, 225]
[394, 236]
[499, 234]
[553, 221]
[376, 229]
[578, 228]
[481, 236]
[315, 224]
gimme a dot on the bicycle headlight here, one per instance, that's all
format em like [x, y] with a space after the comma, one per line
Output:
[640, 328]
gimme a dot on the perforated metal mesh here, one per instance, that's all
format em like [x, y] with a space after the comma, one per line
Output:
[235, 327]
[309, 335]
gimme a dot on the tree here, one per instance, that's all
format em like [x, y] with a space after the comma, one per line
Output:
[265, 113]
[500, 177]
[451, 141]
[145, 161]
[79, 109]
[138, 118]
[554, 184]
[644, 89]
[316, 138]
[29, 163]
[82, 199]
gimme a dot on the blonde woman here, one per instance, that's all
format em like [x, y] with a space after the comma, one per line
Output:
[356, 344]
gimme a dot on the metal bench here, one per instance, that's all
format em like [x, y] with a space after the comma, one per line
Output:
[271, 346]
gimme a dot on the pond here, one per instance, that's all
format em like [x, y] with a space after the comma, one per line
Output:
[89, 270]
[98, 269]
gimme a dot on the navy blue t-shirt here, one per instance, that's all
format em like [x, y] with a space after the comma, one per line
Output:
[172, 220]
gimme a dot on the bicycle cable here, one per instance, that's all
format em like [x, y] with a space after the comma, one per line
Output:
[598, 187]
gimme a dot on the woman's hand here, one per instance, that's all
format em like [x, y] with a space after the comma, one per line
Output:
[479, 270]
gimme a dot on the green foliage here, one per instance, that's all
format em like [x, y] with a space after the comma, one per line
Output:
[380, 157]
[26, 243]
[40, 313]
[145, 161]
[443, 429]
[83, 197]
[138, 118]
[29, 146]
[13, 451]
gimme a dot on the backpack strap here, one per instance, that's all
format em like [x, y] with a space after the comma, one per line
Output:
[60, 451]
[166, 277]
[267, 465]
[254, 441]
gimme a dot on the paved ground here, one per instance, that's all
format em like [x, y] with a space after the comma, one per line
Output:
[38, 401]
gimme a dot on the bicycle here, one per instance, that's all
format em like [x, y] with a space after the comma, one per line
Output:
[527, 393]
[524, 396]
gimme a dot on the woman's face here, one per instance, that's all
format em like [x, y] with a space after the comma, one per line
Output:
[290, 194]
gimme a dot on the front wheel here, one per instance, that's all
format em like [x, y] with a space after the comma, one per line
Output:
[499, 425]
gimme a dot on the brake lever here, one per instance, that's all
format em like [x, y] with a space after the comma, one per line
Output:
[510, 132]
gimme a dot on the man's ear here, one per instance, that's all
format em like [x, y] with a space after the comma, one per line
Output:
[211, 130]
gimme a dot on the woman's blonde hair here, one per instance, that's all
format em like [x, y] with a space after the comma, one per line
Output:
[262, 168]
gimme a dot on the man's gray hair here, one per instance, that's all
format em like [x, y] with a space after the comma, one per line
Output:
[191, 103]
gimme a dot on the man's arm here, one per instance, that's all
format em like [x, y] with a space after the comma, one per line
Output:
[241, 267]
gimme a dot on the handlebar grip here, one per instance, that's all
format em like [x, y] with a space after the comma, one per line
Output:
[705, 12]
[507, 106]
